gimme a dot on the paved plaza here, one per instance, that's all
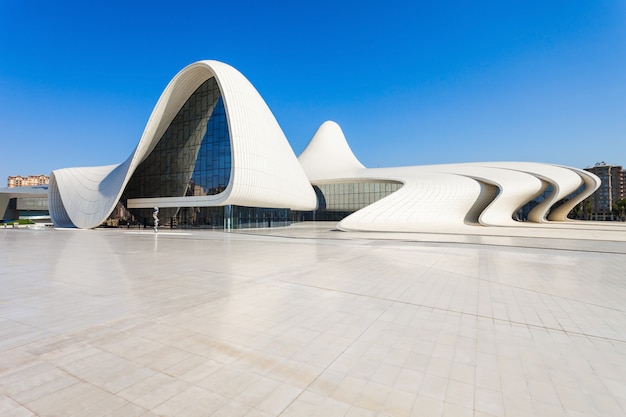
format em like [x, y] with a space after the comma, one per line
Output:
[310, 321]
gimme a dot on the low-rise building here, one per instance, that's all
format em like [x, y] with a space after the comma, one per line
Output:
[29, 181]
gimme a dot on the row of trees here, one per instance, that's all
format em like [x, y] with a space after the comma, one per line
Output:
[619, 208]
[583, 210]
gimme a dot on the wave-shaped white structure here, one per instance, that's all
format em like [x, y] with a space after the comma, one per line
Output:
[264, 172]
[450, 196]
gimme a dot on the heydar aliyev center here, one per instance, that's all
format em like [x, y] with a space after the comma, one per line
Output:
[213, 155]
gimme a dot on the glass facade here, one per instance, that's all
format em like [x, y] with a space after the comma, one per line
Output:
[36, 204]
[224, 217]
[336, 201]
[25, 208]
[192, 158]
[254, 217]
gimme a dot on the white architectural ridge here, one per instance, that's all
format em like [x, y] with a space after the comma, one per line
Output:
[262, 171]
[446, 197]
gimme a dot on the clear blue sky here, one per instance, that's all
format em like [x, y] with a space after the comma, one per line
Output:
[411, 82]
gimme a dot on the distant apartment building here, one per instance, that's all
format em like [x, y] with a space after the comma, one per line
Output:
[611, 190]
[30, 181]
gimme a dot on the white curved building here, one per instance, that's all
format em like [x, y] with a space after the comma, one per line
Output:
[211, 141]
[213, 154]
[448, 197]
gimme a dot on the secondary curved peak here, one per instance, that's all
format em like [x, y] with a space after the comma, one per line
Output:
[328, 155]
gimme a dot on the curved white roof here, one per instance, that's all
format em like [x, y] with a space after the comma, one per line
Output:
[447, 196]
[452, 196]
[264, 172]
[591, 183]
[564, 181]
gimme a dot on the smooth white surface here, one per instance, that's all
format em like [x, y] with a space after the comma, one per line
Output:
[564, 181]
[452, 196]
[264, 173]
[445, 197]
[328, 156]
[591, 183]
[306, 321]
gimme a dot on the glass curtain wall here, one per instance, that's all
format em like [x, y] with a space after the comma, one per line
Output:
[192, 158]
[336, 201]
[224, 217]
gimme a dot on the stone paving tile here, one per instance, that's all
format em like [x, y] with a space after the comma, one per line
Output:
[308, 322]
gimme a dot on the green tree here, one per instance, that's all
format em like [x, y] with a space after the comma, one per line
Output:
[619, 208]
[575, 213]
[581, 210]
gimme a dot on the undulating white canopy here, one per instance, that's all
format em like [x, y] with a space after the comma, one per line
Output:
[448, 197]
[264, 172]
